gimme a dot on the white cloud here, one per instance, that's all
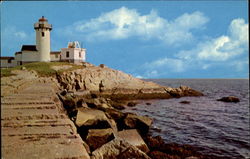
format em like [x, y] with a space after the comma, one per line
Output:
[205, 66]
[179, 30]
[240, 65]
[221, 48]
[239, 30]
[226, 51]
[161, 66]
[123, 23]
[20, 34]
[189, 21]
[174, 65]
[13, 39]
[139, 76]
[13, 32]
[152, 74]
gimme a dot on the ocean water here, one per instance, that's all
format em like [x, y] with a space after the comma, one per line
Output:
[216, 128]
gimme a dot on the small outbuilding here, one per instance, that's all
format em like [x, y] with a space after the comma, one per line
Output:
[7, 62]
[74, 53]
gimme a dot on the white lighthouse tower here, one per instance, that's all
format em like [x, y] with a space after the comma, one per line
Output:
[43, 29]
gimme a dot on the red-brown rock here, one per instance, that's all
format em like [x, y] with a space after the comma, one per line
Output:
[229, 99]
[161, 155]
[134, 138]
[141, 123]
[97, 137]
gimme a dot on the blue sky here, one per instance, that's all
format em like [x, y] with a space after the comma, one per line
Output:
[148, 39]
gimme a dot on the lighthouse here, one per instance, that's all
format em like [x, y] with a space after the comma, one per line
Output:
[41, 52]
[43, 29]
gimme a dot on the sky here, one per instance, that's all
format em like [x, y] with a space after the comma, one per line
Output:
[147, 39]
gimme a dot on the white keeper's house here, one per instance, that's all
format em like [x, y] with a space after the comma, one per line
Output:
[41, 51]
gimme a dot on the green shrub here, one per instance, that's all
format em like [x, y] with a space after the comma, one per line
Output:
[5, 72]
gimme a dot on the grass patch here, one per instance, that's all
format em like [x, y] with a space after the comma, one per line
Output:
[43, 69]
[5, 72]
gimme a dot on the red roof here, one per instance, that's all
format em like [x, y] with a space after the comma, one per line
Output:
[43, 19]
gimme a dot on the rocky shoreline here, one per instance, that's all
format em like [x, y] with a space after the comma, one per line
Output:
[104, 128]
[93, 98]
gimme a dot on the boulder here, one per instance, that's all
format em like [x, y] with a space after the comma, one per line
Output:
[132, 104]
[87, 118]
[160, 90]
[119, 106]
[82, 94]
[99, 103]
[114, 114]
[155, 129]
[64, 92]
[117, 116]
[81, 103]
[155, 143]
[118, 148]
[68, 101]
[182, 91]
[133, 138]
[153, 93]
[102, 65]
[86, 147]
[187, 91]
[113, 125]
[97, 137]
[91, 117]
[141, 123]
[229, 99]
[176, 93]
[132, 152]
[185, 102]
[161, 155]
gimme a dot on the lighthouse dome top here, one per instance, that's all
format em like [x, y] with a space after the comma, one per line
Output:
[43, 19]
[42, 24]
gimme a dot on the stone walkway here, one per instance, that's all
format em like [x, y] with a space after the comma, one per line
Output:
[34, 125]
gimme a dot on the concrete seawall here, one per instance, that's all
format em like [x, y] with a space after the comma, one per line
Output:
[34, 125]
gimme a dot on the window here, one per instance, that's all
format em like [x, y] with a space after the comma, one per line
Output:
[9, 60]
[42, 34]
[67, 54]
[56, 55]
[80, 54]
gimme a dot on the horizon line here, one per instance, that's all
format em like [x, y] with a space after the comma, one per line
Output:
[194, 78]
